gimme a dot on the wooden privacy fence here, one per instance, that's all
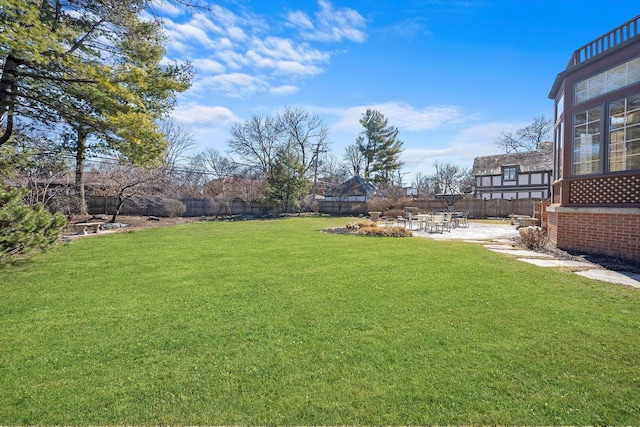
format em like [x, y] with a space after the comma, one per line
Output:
[156, 207]
[208, 207]
[477, 208]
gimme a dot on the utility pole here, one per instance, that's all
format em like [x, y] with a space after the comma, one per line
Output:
[315, 161]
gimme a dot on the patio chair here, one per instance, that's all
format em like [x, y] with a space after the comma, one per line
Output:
[438, 221]
[449, 221]
[463, 219]
[409, 219]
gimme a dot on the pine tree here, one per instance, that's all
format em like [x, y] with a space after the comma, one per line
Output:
[286, 183]
[25, 228]
[380, 147]
[91, 69]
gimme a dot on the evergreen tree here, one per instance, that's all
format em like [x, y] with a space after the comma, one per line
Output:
[286, 183]
[25, 228]
[380, 147]
[90, 69]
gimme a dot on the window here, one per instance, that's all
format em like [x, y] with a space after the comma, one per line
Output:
[557, 171]
[614, 78]
[586, 142]
[509, 173]
[624, 134]
[560, 107]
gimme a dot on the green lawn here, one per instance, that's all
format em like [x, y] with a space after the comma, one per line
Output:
[274, 322]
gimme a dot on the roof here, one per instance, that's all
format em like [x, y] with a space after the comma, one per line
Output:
[530, 161]
[355, 186]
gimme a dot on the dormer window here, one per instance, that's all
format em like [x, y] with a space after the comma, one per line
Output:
[509, 173]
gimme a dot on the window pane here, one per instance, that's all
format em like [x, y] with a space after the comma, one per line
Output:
[633, 132]
[596, 85]
[586, 142]
[616, 78]
[633, 65]
[633, 103]
[633, 77]
[624, 134]
[612, 79]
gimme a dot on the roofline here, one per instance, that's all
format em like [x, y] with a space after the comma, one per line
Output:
[610, 42]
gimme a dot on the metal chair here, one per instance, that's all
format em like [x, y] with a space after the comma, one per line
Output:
[438, 221]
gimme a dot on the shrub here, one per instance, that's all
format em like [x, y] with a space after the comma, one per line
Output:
[25, 228]
[533, 238]
[371, 228]
[173, 207]
[386, 231]
[377, 204]
[367, 223]
[394, 213]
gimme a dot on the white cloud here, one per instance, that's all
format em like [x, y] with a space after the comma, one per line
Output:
[332, 25]
[208, 65]
[300, 19]
[166, 8]
[232, 59]
[235, 85]
[199, 114]
[187, 32]
[286, 57]
[284, 90]
[236, 33]
[469, 143]
[238, 55]
[403, 116]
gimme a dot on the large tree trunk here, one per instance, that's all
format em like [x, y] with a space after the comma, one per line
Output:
[7, 95]
[80, 161]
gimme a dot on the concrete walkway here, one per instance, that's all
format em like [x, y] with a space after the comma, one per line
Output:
[501, 238]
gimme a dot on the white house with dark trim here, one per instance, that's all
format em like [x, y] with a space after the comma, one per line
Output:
[515, 175]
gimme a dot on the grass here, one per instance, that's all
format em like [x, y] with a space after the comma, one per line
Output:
[273, 322]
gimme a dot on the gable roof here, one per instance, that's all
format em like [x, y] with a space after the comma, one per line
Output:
[355, 186]
[530, 161]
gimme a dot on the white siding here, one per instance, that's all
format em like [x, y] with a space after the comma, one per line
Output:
[536, 178]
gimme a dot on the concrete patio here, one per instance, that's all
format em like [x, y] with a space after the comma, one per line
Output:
[502, 238]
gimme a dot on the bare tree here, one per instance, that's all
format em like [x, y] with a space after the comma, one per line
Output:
[354, 159]
[527, 138]
[256, 142]
[331, 173]
[421, 184]
[306, 134]
[126, 182]
[448, 178]
[179, 141]
[224, 172]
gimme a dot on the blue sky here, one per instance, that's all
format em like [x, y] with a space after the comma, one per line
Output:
[450, 74]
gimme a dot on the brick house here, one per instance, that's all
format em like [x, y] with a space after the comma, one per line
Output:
[595, 205]
[514, 175]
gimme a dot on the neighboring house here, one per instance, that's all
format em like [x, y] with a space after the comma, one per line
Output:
[411, 191]
[514, 175]
[355, 189]
[596, 189]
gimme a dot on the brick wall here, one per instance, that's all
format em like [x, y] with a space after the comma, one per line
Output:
[607, 231]
[540, 212]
